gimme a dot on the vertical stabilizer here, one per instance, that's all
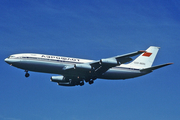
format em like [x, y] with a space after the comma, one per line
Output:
[145, 60]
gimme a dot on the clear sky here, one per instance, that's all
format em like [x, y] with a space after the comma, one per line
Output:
[91, 29]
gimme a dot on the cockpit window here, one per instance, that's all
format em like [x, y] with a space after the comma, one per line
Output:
[12, 56]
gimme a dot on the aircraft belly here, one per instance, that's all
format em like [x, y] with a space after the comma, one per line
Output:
[41, 66]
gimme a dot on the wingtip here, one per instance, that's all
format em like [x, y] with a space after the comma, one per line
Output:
[170, 63]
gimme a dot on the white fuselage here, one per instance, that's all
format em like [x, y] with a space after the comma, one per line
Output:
[55, 64]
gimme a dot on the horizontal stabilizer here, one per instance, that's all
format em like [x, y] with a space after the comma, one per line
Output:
[155, 67]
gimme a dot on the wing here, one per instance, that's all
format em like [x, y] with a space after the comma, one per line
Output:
[103, 65]
[99, 67]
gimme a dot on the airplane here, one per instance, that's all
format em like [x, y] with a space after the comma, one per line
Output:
[75, 71]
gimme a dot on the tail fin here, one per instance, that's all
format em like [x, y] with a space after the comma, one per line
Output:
[145, 60]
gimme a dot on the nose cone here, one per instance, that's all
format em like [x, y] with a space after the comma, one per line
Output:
[12, 61]
[8, 61]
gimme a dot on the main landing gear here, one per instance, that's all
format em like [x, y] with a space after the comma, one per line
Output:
[91, 82]
[81, 83]
[27, 74]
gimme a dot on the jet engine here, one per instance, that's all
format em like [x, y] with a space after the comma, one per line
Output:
[57, 78]
[78, 66]
[109, 62]
[66, 84]
[83, 66]
[61, 81]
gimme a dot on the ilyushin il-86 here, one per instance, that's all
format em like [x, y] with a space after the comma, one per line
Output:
[75, 71]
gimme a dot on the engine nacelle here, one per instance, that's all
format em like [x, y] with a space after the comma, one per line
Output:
[62, 81]
[57, 78]
[83, 66]
[110, 62]
[65, 84]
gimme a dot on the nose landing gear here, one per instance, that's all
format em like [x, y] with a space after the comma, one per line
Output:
[27, 74]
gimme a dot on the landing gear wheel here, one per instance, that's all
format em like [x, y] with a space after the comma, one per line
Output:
[81, 83]
[27, 75]
[91, 82]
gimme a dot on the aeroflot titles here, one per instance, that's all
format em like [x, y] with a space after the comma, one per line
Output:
[60, 58]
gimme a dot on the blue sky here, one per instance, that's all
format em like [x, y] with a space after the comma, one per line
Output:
[90, 29]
